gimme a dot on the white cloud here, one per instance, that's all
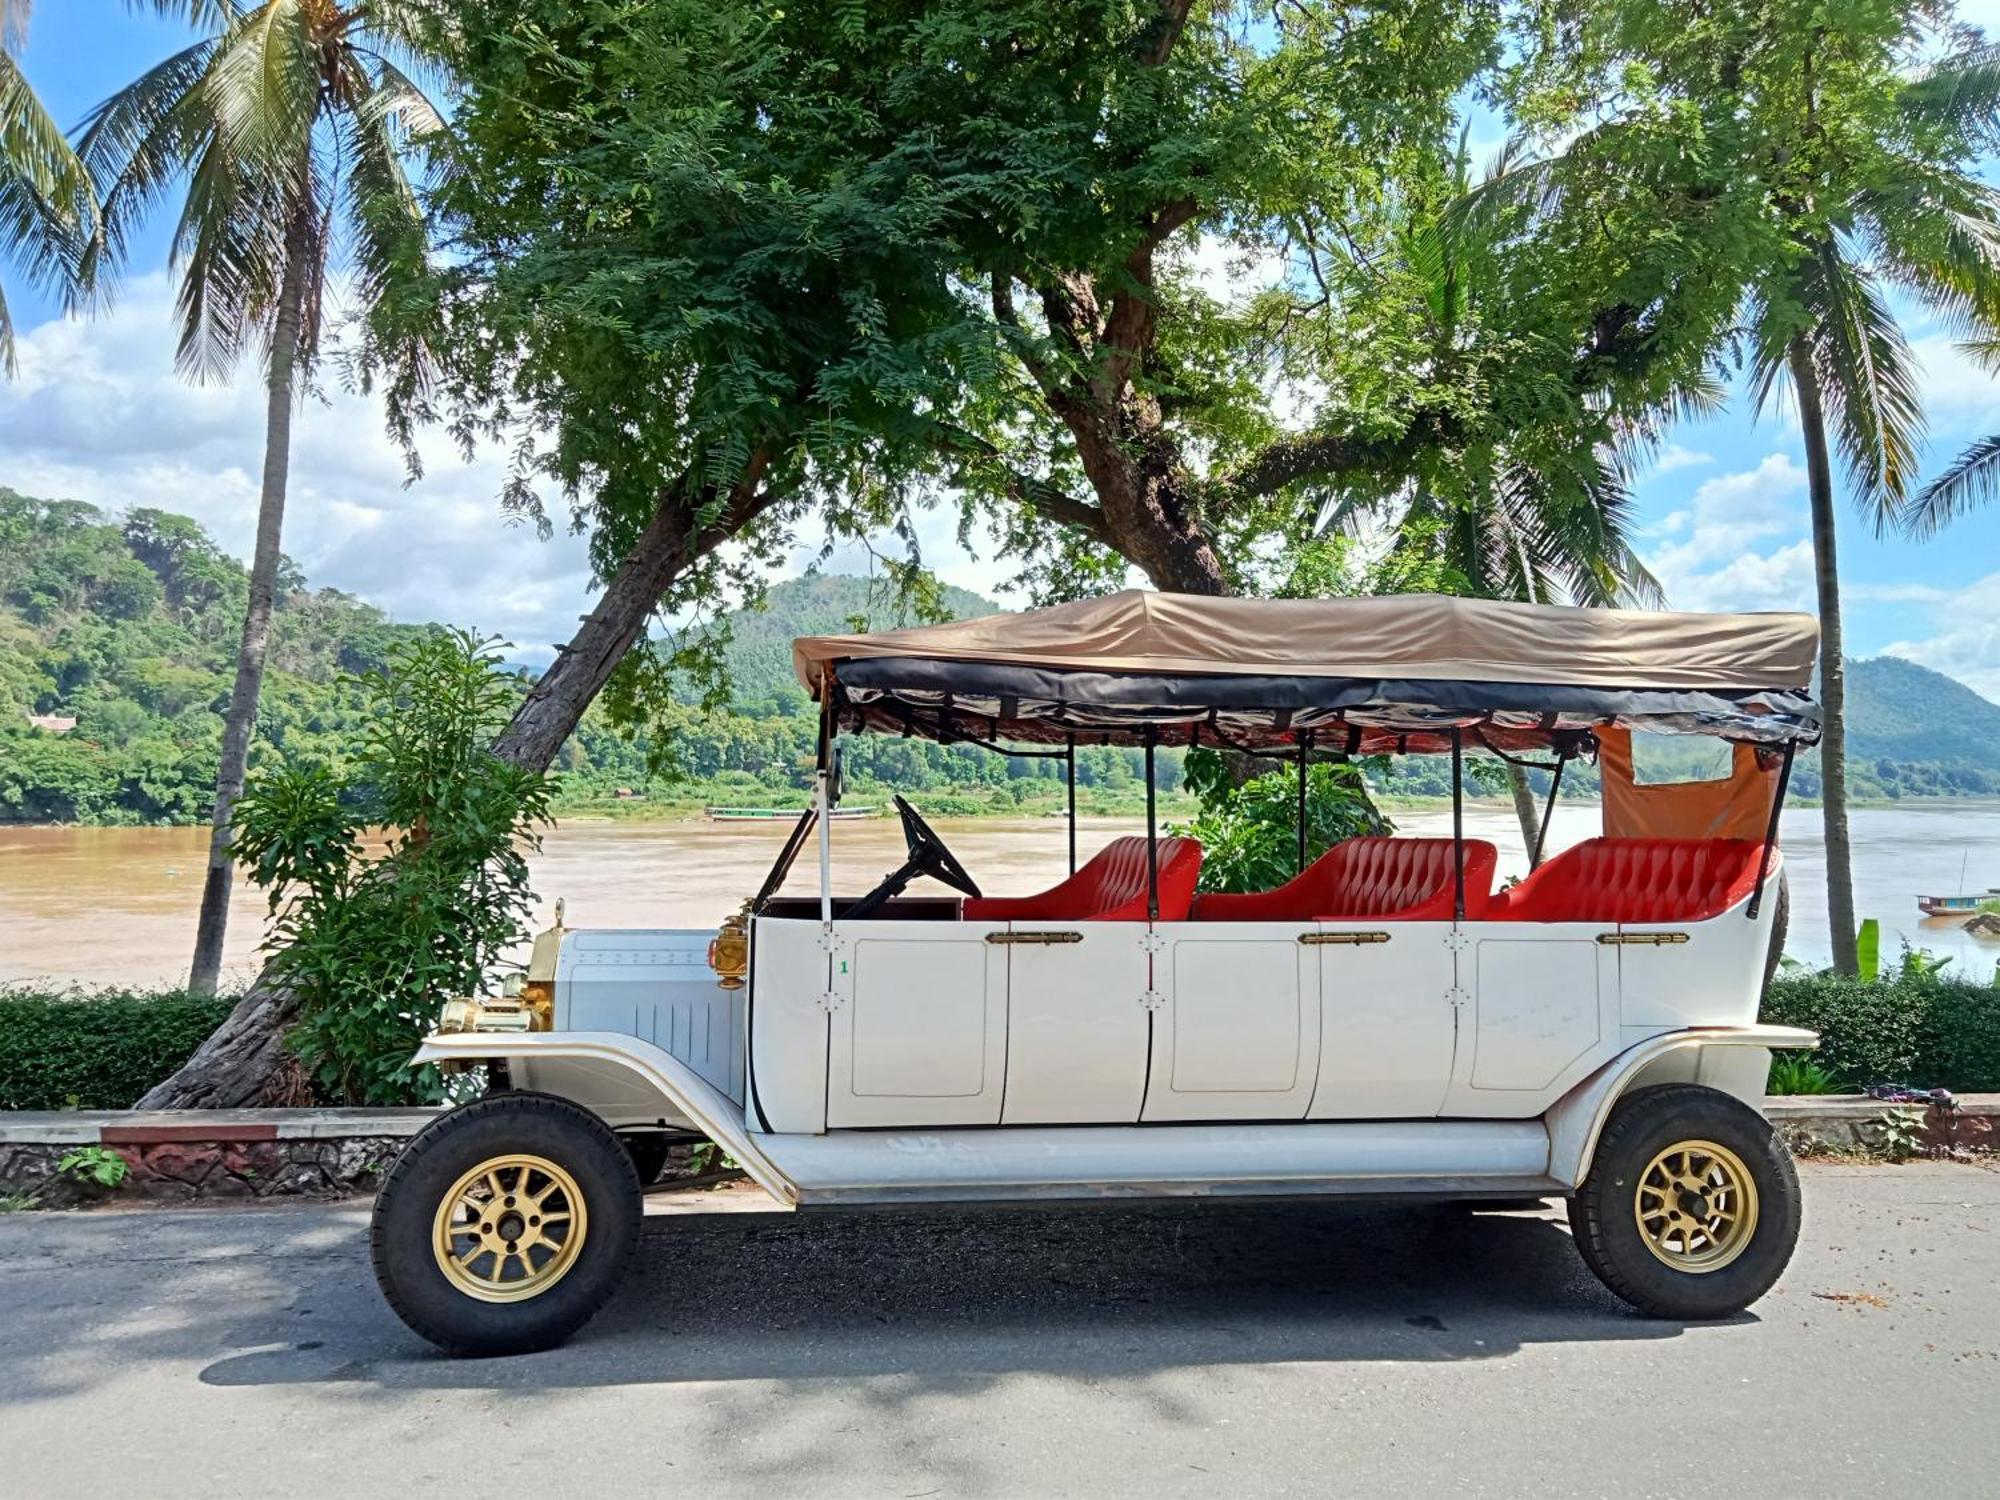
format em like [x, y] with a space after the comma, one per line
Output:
[1960, 395]
[1721, 555]
[100, 415]
[1673, 456]
[1966, 642]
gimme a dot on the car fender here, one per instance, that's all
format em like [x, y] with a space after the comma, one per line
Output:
[684, 1091]
[1733, 1059]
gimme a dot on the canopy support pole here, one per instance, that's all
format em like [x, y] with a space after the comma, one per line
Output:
[1548, 812]
[1457, 824]
[822, 788]
[1771, 830]
[1069, 770]
[1152, 836]
[1305, 749]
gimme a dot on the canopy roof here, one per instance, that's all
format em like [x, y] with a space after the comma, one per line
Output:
[1396, 672]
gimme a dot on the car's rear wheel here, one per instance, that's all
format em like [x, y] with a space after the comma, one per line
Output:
[1691, 1208]
[506, 1224]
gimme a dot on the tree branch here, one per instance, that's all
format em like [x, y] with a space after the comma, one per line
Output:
[1045, 499]
[1161, 36]
[1128, 330]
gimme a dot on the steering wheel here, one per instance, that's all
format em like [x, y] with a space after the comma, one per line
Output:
[927, 856]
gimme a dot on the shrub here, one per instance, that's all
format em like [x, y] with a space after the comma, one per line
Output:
[1916, 1026]
[374, 944]
[1797, 1073]
[97, 1051]
[1250, 833]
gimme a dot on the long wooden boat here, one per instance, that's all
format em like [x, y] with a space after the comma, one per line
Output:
[1956, 906]
[778, 814]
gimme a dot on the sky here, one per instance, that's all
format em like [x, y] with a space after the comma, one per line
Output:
[98, 414]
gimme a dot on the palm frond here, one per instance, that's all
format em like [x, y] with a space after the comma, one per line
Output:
[47, 209]
[136, 145]
[1961, 91]
[263, 90]
[1870, 382]
[201, 15]
[1973, 479]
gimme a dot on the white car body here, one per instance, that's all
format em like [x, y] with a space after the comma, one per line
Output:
[915, 1058]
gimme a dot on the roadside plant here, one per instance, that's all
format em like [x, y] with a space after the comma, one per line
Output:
[1797, 1073]
[97, 1165]
[1898, 1133]
[398, 882]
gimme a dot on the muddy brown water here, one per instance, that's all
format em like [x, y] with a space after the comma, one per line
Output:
[96, 906]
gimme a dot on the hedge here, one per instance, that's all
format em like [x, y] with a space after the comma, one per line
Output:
[97, 1051]
[1929, 1031]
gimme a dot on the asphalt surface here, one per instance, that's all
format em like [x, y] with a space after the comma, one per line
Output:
[1194, 1350]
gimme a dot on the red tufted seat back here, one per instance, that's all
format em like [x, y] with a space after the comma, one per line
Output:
[1635, 880]
[1408, 880]
[1110, 887]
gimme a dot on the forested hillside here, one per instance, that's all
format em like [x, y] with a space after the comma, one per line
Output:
[127, 624]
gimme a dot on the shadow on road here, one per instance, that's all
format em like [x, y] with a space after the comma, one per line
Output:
[952, 1297]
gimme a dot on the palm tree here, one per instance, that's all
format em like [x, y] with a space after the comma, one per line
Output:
[1853, 177]
[1918, 222]
[288, 122]
[47, 210]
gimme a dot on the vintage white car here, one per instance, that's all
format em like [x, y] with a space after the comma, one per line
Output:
[1385, 1023]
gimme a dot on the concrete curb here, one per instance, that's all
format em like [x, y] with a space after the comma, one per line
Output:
[263, 1153]
[127, 1127]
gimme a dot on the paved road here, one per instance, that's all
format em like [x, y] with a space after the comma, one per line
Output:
[1193, 1351]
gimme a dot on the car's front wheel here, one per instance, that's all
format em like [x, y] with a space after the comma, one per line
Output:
[506, 1224]
[1691, 1208]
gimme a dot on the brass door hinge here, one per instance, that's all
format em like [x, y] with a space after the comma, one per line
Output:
[1042, 938]
[1641, 939]
[1342, 939]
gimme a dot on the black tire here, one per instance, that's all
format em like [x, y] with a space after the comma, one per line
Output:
[515, 1123]
[1603, 1217]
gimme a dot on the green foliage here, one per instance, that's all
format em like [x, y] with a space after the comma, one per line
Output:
[96, 1051]
[1798, 1073]
[1912, 1026]
[375, 940]
[1868, 950]
[99, 1165]
[1897, 1133]
[1249, 832]
[145, 670]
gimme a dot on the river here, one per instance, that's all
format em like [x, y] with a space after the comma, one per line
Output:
[102, 906]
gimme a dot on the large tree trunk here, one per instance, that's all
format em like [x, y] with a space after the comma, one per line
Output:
[241, 719]
[232, 1067]
[1525, 811]
[1832, 665]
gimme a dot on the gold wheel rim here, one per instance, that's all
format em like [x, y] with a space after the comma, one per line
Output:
[509, 1229]
[1696, 1206]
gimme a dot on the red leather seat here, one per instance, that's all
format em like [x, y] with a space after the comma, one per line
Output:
[1407, 880]
[1110, 887]
[1635, 880]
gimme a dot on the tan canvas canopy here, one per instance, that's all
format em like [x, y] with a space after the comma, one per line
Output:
[1257, 672]
[1425, 636]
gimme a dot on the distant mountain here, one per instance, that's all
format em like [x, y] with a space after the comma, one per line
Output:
[1901, 711]
[760, 650]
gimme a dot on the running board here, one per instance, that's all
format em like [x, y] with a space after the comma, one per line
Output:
[1034, 1164]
